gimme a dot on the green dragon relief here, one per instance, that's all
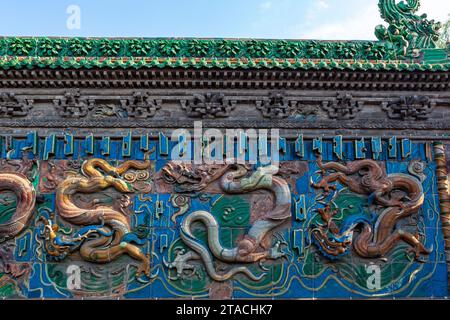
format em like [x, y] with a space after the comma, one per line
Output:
[407, 31]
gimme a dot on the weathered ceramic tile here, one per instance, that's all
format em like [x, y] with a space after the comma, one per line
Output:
[309, 230]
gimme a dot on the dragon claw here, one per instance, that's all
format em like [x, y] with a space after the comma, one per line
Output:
[418, 250]
[144, 267]
[325, 186]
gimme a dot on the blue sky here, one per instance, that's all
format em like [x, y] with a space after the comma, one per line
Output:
[290, 19]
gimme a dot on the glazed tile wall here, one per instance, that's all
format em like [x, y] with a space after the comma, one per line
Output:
[156, 212]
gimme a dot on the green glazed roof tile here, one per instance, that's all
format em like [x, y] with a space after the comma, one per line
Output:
[407, 43]
[16, 52]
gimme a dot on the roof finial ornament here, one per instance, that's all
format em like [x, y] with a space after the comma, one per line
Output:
[407, 31]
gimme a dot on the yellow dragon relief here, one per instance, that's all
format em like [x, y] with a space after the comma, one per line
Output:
[102, 238]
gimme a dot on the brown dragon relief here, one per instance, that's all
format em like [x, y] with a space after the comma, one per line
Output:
[398, 195]
[256, 245]
[102, 238]
[25, 194]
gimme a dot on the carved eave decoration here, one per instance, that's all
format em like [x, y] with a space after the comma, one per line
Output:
[344, 107]
[209, 105]
[72, 105]
[12, 106]
[409, 108]
[141, 105]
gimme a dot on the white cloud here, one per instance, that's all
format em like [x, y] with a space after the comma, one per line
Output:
[266, 5]
[315, 10]
[321, 4]
[361, 25]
